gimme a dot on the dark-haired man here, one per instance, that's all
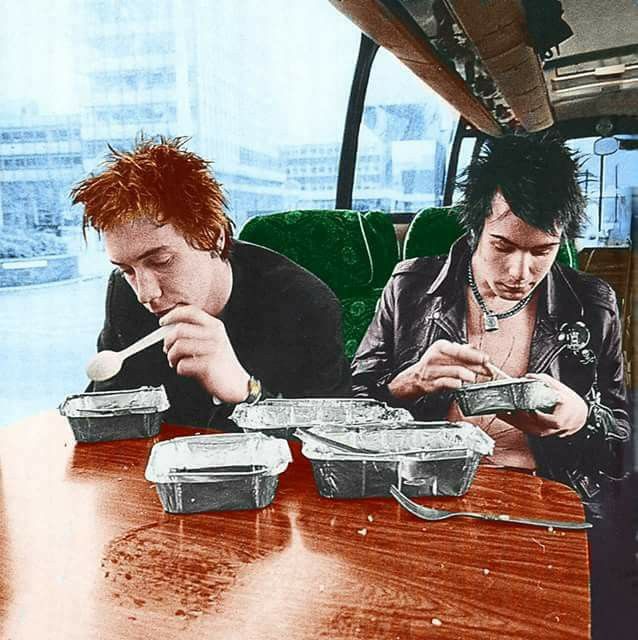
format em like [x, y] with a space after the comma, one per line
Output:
[245, 322]
[499, 298]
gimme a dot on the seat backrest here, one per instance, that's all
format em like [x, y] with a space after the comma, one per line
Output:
[433, 231]
[349, 250]
[353, 252]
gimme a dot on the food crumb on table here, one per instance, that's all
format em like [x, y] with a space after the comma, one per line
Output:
[370, 518]
[436, 622]
[362, 532]
[486, 572]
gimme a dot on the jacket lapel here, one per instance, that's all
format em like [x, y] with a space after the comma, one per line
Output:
[449, 313]
[558, 304]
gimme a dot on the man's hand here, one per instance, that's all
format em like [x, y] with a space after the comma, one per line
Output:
[445, 365]
[198, 347]
[569, 414]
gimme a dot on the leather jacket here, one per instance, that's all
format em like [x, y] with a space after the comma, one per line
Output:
[424, 301]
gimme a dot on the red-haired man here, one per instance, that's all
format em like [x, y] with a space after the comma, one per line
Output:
[245, 321]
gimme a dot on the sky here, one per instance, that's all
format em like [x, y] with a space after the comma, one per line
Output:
[40, 40]
[36, 59]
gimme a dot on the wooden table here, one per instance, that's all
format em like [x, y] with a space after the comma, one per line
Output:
[87, 552]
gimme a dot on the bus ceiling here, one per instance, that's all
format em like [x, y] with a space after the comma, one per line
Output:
[505, 65]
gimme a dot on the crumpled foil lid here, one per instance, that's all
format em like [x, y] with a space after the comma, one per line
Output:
[114, 403]
[276, 413]
[236, 449]
[394, 442]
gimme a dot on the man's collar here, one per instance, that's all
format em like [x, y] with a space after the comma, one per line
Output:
[560, 300]
[453, 270]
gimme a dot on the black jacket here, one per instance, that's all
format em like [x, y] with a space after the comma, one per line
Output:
[424, 301]
[283, 322]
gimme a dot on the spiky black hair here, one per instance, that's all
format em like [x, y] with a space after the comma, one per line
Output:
[539, 178]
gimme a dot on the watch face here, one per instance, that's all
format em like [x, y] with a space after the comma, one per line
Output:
[254, 390]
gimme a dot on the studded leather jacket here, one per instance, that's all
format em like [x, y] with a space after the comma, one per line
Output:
[424, 301]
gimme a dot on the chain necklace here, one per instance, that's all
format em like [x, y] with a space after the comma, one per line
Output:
[490, 319]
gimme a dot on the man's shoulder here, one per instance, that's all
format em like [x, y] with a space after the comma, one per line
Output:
[418, 265]
[590, 289]
[270, 272]
[418, 270]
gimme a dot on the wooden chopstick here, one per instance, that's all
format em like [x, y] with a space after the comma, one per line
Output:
[498, 372]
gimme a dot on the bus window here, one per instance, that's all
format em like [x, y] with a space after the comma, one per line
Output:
[610, 183]
[405, 134]
[261, 89]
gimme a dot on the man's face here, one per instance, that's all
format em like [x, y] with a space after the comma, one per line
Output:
[164, 270]
[511, 257]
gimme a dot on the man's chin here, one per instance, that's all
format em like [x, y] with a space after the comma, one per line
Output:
[513, 294]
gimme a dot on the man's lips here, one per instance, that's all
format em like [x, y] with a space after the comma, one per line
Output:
[515, 288]
[512, 293]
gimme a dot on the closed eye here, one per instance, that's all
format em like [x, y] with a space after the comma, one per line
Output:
[158, 263]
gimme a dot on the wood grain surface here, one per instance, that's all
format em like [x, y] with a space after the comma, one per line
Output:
[86, 551]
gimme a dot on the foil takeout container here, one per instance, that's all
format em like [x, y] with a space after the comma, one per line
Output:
[99, 416]
[280, 417]
[419, 458]
[217, 472]
[524, 394]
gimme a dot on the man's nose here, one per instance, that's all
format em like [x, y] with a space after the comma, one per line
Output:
[147, 287]
[520, 266]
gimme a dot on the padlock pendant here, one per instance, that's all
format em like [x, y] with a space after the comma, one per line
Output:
[490, 321]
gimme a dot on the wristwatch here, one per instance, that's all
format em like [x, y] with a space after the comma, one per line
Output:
[254, 391]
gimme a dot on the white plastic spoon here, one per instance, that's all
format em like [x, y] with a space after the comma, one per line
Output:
[106, 364]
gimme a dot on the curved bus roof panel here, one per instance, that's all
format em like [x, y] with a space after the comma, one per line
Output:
[474, 54]
[499, 33]
[391, 26]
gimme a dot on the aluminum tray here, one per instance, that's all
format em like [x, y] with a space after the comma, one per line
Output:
[217, 472]
[279, 417]
[115, 415]
[523, 394]
[420, 458]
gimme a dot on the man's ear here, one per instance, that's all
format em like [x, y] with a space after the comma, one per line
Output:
[219, 245]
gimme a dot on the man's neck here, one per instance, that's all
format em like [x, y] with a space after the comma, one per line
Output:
[220, 297]
[491, 299]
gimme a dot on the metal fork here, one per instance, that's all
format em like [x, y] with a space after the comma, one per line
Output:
[427, 513]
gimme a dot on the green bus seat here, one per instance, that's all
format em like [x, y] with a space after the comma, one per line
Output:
[352, 252]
